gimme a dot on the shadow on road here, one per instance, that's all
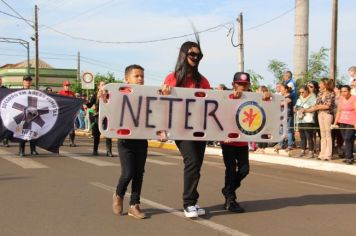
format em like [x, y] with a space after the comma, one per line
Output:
[13, 178]
[279, 203]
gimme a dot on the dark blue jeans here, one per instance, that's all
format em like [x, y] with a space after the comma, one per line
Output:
[348, 135]
[290, 134]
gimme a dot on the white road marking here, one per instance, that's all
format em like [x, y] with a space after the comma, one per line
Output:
[149, 160]
[90, 160]
[305, 183]
[181, 158]
[207, 223]
[162, 163]
[23, 162]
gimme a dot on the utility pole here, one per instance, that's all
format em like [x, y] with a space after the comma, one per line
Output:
[333, 51]
[78, 67]
[301, 38]
[240, 43]
[36, 48]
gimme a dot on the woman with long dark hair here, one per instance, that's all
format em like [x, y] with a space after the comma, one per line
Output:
[313, 87]
[186, 75]
[325, 104]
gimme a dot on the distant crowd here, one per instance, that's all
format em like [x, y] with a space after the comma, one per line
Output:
[319, 109]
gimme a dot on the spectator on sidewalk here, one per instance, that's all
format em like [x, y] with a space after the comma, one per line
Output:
[305, 120]
[325, 104]
[337, 140]
[313, 87]
[290, 82]
[287, 142]
[346, 119]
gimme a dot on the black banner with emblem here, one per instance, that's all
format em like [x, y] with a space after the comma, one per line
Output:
[34, 115]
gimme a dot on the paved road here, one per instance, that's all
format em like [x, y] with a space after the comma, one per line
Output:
[71, 195]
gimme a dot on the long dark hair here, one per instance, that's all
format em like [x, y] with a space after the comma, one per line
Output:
[183, 68]
[316, 86]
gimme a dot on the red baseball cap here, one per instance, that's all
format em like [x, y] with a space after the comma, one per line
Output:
[241, 77]
[66, 83]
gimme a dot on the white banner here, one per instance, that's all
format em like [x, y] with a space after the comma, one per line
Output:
[88, 80]
[139, 112]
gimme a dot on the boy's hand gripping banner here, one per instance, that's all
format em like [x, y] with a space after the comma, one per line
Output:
[140, 112]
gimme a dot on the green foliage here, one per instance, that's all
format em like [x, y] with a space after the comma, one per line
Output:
[317, 66]
[108, 78]
[255, 78]
[277, 68]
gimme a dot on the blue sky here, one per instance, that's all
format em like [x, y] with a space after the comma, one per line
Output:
[138, 20]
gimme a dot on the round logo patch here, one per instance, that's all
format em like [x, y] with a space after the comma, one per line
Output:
[29, 114]
[250, 118]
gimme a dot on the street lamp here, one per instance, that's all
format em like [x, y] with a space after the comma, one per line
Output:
[24, 43]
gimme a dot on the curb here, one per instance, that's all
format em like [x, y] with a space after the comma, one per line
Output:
[282, 159]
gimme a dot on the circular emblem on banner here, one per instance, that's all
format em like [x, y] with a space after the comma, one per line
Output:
[29, 114]
[250, 118]
[88, 77]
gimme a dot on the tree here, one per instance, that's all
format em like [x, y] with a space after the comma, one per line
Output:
[277, 68]
[255, 78]
[317, 65]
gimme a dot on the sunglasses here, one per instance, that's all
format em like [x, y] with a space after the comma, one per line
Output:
[310, 86]
[195, 55]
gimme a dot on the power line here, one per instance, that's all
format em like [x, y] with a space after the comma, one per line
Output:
[84, 12]
[21, 17]
[271, 20]
[127, 42]
[134, 42]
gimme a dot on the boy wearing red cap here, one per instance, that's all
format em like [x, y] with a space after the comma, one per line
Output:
[235, 154]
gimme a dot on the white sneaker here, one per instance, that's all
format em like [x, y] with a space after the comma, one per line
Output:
[191, 212]
[200, 211]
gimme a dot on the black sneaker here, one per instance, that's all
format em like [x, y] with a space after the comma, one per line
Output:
[95, 153]
[233, 206]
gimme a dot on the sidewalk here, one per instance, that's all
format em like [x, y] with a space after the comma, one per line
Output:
[283, 158]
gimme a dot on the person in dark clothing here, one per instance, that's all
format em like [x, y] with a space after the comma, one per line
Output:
[94, 100]
[133, 154]
[186, 75]
[27, 82]
[235, 154]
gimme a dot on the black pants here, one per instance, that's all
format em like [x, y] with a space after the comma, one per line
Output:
[337, 139]
[22, 145]
[193, 156]
[237, 167]
[72, 135]
[348, 135]
[262, 145]
[133, 154]
[96, 136]
[306, 136]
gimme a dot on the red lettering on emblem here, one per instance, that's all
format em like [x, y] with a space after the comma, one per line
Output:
[249, 117]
